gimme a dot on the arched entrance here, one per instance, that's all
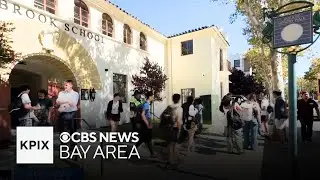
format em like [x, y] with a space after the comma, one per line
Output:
[41, 71]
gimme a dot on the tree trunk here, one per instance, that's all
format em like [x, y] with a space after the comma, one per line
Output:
[276, 70]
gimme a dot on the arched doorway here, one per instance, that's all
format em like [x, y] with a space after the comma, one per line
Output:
[41, 71]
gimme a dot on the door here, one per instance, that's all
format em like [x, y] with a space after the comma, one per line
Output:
[5, 121]
[207, 115]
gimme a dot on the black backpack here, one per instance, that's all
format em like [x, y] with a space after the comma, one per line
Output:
[16, 108]
[166, 118]
[234, 120]
[270, 109]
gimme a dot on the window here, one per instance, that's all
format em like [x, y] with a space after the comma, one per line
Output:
[120, 86]
[185, 93]
[107, 25]
[143, 42]
[127, 34]
[186, 47]
[221, 60]
[47, 5]
[81, 13]
[237, 63]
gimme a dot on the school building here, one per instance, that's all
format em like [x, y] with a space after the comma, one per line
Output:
[100, 46]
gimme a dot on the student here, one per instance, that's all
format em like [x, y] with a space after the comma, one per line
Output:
[114, 110]
[174, 130]
[234, 127]
[280, 116]
[135, 103]
[145, 130]
[44, 113]
[67, 103]
[27, 118]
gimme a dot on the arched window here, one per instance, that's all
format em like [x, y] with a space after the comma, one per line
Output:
[81, 13]
[107, 25]
[47, 5]
[143, 41]
[127, 34]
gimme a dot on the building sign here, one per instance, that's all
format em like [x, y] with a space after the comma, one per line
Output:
[294, 29]
[34, 15]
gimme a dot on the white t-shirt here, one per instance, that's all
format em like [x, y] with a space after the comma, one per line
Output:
[246, 111]
[115, 107]
[26, 100]
[264, 106]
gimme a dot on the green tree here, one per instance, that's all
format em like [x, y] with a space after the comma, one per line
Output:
[242, 84]
[150, 78]
[7, 54]
[254, 19]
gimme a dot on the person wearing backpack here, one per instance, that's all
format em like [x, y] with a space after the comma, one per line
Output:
[145, 125]
[135, 103]
[234, 126]
[170, 122]
[199, 115]
[191, 125]
[22, 109]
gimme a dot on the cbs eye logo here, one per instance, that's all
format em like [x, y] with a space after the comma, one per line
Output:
[65, 137]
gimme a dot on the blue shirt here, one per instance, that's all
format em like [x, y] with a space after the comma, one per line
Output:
[146, 109]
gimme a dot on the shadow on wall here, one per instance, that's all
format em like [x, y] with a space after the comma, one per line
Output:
[115, 59]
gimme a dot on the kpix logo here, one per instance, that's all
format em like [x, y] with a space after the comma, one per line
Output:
[34, 145]
[29, 145]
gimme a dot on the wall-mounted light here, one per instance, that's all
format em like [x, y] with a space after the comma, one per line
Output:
[92, 94]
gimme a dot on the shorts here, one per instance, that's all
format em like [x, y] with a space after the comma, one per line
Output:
[263, 118]
[172, 134]
[280, 123]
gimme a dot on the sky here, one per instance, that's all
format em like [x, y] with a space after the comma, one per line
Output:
[175, 16]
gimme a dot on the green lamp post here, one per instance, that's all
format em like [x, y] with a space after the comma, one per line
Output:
[291, 25]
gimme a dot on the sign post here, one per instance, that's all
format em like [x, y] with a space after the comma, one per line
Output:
[290, 26]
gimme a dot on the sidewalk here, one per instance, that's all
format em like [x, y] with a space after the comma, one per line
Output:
[209, 161]
[276, 163]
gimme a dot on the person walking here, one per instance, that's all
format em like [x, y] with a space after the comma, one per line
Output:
[145, 130]
[234, 126]
[305, 107]
[199, 116]
[135, 104]
[174, 111]
[114, 110]
[280, 116]
[264, 114]
[67, 103]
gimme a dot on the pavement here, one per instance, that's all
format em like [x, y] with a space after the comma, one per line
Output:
[209, 161]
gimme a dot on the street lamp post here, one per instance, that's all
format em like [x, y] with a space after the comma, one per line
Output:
[291, 25]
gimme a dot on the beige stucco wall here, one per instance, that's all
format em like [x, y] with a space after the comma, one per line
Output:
[87, 58]
[200, 70]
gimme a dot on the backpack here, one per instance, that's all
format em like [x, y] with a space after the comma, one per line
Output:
[234, 120]
[285, 113]
[16, 108]
[246, 111]
[166, 118]
[270, 109]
